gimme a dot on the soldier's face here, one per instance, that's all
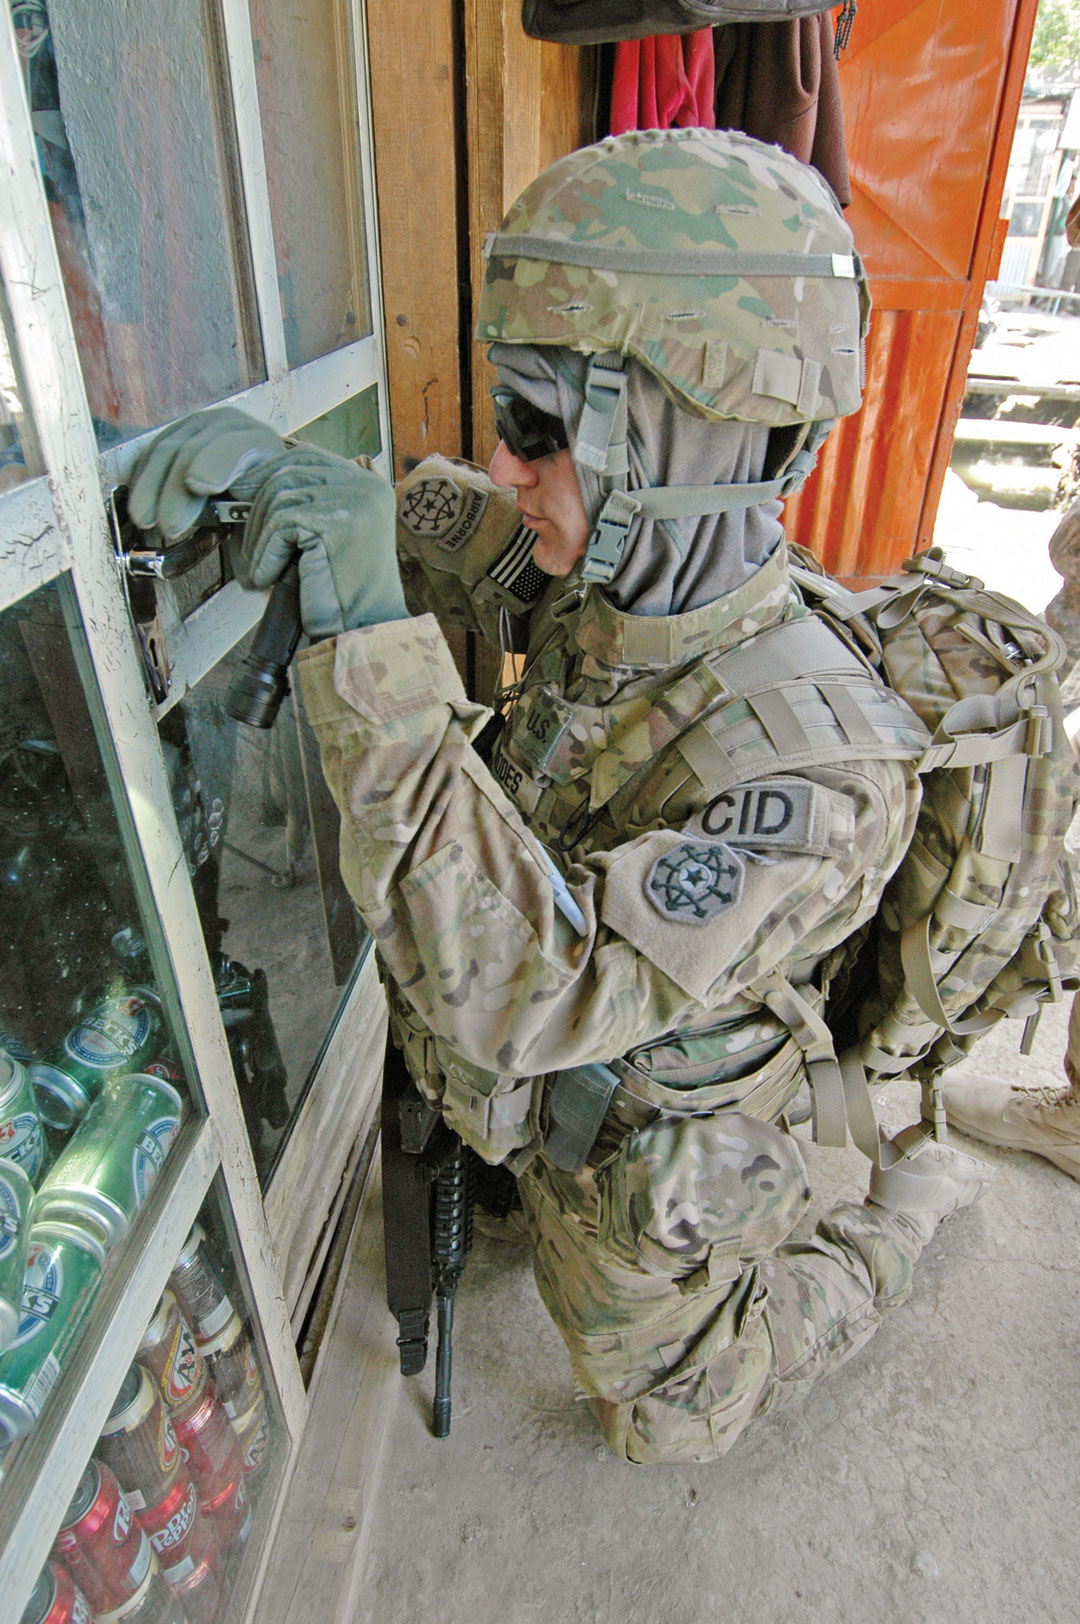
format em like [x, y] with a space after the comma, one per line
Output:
[549, 501]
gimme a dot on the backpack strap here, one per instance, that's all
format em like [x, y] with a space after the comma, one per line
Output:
[795, 695]
[839, 1092]
[798, 697]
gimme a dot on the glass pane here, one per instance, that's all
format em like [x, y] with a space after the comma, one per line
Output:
[260, 833]
[171, 1509]
[1024, 221]
[13, 436]
[91, 1092]
[306, 76]
[351, 429]
[136, 153]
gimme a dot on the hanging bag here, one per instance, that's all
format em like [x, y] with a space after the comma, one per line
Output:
[595, 22]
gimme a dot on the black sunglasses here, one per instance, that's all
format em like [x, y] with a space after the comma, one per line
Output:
[529, 433]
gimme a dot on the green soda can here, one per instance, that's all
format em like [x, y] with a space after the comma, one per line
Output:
[21, 1136]
[105, 1172]
[16, 1200]
[116, 1037]
[63, 1272]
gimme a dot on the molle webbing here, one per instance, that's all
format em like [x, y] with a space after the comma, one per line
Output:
[797, 697]
[793, 696]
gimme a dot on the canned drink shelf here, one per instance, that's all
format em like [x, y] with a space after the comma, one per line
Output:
[47, 1467]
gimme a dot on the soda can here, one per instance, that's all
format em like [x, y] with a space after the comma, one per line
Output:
[199, 1288]
[168, 1350]
[210, 1445]
[154, 1603]
[115, 1038]
[16, 1199]
[56, 1599]
[200, 1591]
[252, 1428]
[138, 1442]
[131, 954]
[105, 1172]
[228, 1513]
[63, 1271]
[164, 1067]
[232, 1368]
[13, 1043]
[102, 1545]
[22, 1139]
[175, 1526]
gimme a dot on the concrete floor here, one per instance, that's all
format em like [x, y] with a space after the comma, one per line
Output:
[932, 1479]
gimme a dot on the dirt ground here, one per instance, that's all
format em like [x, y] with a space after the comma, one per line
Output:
[932, 1479]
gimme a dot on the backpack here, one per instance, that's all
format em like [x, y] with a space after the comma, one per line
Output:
[980, 921]
[595, 22]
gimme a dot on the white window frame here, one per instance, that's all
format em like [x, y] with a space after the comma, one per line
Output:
[55, 524]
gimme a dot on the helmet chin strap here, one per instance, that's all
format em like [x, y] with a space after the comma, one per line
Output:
[600, 445]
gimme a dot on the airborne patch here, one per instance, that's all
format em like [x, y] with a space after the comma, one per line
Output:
[694, 882]
[443, 512]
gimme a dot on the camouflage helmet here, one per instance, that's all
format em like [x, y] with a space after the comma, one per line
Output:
[722, 265]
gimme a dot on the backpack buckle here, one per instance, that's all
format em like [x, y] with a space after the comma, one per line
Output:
[932, 563]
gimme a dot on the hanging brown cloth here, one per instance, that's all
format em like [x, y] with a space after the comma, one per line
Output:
[779, 82]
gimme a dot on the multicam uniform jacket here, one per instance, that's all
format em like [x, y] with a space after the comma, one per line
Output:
[632, 881]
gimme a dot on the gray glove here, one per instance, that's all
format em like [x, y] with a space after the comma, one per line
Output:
[200, 456]
[341, 518]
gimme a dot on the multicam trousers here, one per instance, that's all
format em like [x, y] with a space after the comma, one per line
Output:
[684, 1314]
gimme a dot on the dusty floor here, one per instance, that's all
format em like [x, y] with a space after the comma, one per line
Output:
[932, 1479]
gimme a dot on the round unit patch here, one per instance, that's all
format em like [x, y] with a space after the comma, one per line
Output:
[694, 882]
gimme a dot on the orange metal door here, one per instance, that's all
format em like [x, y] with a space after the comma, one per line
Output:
[931, 94]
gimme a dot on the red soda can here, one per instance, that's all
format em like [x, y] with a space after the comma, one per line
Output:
[56, 1599]
[173, 1525]
[229, 1515]
[199, 1287]
[200, 1589]
[138, 1443]
[165, 1067]
[210, 1445]
[100, 1543]
[169, 1352]
[232, 1368]
[154, 1604]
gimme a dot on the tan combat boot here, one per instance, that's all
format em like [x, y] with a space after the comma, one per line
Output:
[922, 1190]
[1043, 1120]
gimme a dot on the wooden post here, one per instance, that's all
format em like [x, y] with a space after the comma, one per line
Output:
[418, 151]
[503, 87]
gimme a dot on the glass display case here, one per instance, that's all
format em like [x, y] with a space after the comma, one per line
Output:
[189, 1025]
[169, 1511]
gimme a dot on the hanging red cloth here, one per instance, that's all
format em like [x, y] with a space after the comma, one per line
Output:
[777, 81]
[664, 81]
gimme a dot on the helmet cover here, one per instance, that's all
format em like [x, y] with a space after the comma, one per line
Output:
[723, 265]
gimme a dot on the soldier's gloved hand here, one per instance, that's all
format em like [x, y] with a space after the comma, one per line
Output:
[202, 455]
[341, 520]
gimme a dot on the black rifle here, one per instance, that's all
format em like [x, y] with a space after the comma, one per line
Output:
[427, 1223]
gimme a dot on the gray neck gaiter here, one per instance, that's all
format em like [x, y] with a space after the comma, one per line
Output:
[669, 566]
